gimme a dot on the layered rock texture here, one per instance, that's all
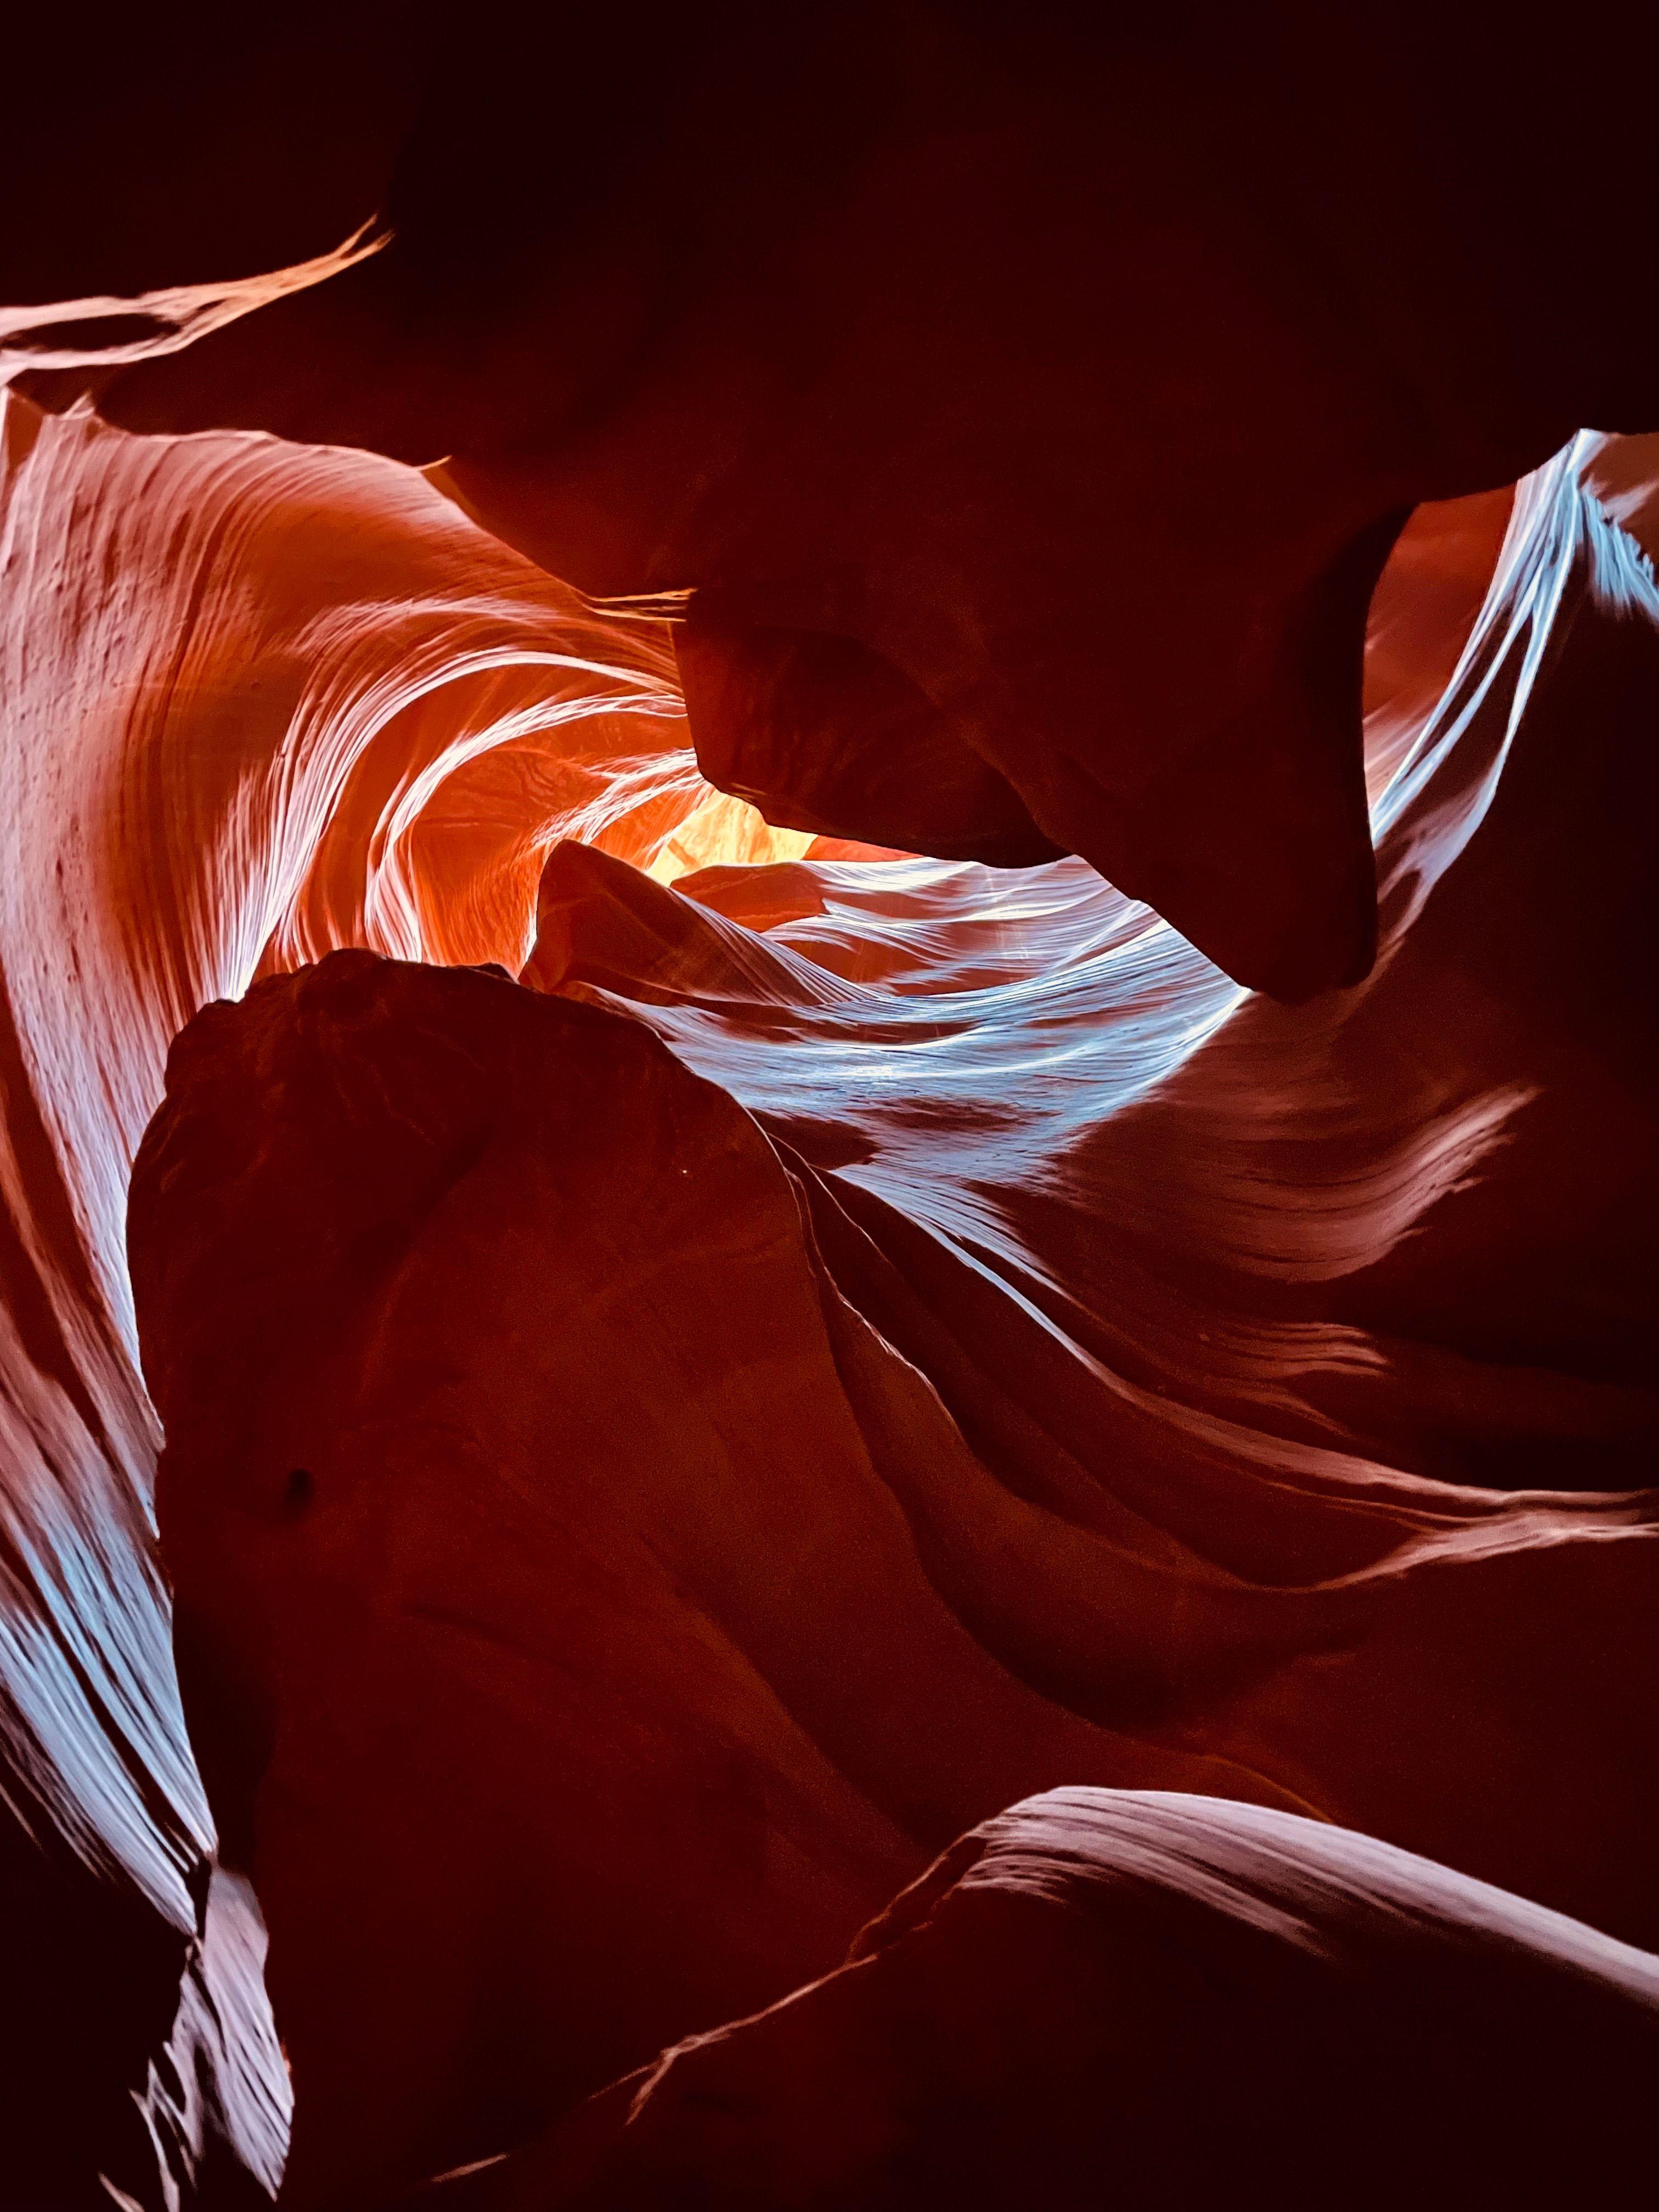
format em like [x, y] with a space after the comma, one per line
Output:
[1167, 1998]
[826, 1113]
[945, 354]
[658, 1447]
[836, 1347]
[260, 702]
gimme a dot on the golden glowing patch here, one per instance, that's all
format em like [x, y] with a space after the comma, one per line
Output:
[726, 833]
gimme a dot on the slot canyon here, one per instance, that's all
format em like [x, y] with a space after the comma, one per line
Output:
[828, 1179]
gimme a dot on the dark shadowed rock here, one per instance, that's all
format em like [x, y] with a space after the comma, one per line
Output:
[563, 1670]
[1104, 1997]
[1040, 386]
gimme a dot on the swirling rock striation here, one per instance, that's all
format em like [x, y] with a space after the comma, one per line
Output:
[1244, 1300]
[1148, 2000]
[1297, 1358]
[257, 702]
[540, 1573]
[1029, 397]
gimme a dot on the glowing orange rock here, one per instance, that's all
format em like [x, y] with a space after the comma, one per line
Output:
[256, 702]
[263, 701]
[1030, 403]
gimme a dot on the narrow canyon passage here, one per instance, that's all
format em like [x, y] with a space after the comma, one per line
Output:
[827, 1172]
[648, 1493]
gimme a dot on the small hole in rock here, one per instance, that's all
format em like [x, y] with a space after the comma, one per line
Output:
[298, 1491]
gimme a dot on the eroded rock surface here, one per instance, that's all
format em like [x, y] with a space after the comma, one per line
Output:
[1249, 1302]
[1215, 1396]
[536, 1586]
[1105, 1997]
[1028, 396]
